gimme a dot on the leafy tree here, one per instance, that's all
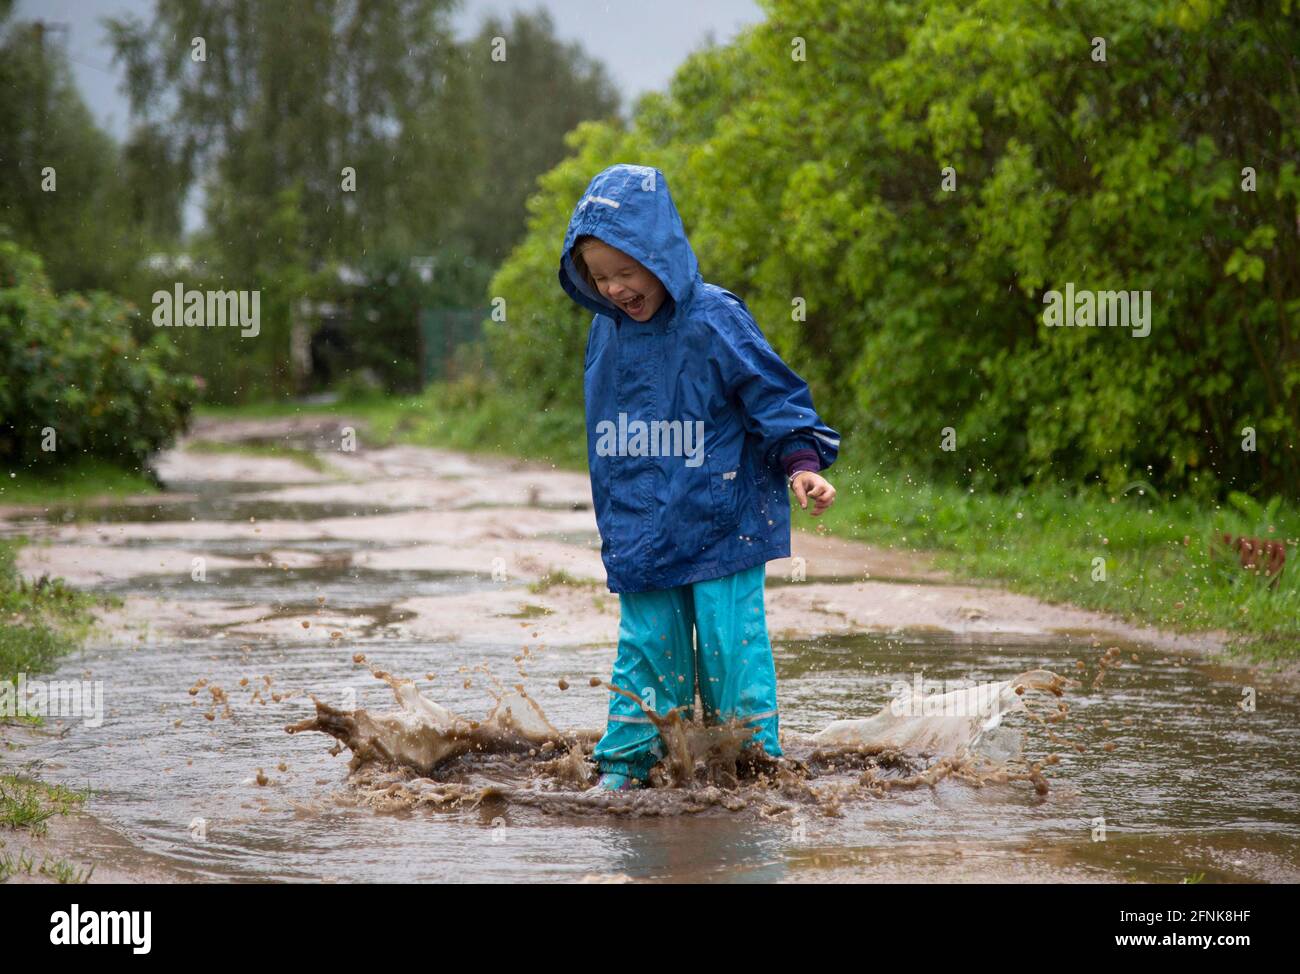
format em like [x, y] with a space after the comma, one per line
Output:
[61, 180]
[525, 104]
[822, 179]
[392, 141]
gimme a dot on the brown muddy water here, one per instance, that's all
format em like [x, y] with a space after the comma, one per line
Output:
[192, 762]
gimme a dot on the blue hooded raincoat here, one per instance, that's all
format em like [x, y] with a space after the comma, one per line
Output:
[669, 520]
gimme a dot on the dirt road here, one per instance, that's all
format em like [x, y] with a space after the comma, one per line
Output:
[263, 576]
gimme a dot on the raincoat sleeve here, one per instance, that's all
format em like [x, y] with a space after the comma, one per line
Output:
[776, 403]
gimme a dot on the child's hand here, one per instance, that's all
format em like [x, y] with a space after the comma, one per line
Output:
[808, 484]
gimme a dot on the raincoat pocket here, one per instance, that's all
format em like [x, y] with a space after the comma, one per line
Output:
[725, 487]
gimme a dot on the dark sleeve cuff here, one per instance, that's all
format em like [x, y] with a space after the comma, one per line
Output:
[799, 461]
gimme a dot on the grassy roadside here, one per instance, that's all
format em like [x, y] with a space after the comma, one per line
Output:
[77, 482]
[1135, 554]
[1162, 561]
[453, 416]
[39, 621]
[27, 806]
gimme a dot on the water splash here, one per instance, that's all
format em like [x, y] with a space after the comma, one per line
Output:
[423, 754]
[423, 735]
[942, 724]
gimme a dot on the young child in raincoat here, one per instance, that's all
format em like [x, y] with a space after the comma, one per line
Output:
[695, 429]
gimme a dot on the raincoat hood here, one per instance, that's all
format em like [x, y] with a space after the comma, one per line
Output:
[629, 207]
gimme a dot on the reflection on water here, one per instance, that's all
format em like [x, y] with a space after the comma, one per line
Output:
[342, 586]
[1193, 784]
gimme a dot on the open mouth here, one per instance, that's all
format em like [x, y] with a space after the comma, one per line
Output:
[634, 306]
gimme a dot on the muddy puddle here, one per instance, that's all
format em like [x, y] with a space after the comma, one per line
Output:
[341, 586]
[192, 766]
[1192, 784]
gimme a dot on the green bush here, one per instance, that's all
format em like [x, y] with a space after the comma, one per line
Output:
[69, 363]
[821, 179]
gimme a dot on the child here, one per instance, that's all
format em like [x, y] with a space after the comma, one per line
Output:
[694, 428]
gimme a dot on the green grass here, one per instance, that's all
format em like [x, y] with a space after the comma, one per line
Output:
[529, 611]
[305, 457]
[75, 482]
[62, 871]
[21, 807]
[461, 415]
[559, 577]
[11, 865]
[1163, 562]
[1163, 565]
[27, 804]
[39, 621]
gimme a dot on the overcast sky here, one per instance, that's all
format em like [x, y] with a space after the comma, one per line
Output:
[641, 50]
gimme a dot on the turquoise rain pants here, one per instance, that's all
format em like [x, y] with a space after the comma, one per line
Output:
[658, 664]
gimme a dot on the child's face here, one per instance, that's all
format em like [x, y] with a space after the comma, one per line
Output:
[624, 281]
